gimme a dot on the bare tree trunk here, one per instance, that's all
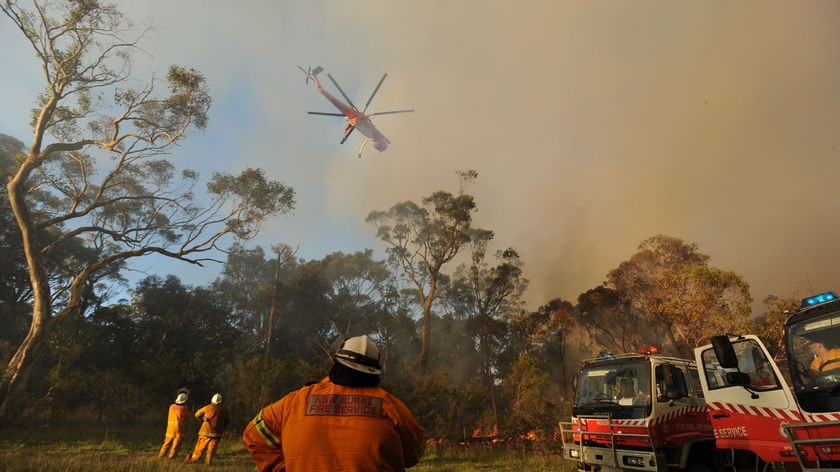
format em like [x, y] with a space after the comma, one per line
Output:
[41, 295]
[271, 313]
[17, 368]
[423, 358]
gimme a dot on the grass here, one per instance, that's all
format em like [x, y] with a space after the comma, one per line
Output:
[134, 448]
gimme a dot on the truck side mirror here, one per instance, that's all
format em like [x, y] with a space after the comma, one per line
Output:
[725, 352]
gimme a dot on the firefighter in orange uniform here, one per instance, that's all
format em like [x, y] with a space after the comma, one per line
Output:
[822, 356]
[214, 417]
[176, 424]
[344, 422]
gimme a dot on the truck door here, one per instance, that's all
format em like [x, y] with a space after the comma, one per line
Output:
[747, 397]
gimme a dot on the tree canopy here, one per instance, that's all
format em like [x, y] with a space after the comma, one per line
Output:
[672, 284]
[93, 174]
[421, 239]
[93, 190]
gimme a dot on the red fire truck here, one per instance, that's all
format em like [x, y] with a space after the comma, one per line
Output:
[640, 411]
[760, 418]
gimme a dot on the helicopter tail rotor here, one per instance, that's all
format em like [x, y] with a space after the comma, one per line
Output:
[310, 72]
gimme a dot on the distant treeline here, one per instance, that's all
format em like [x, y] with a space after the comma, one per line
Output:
[267, 326]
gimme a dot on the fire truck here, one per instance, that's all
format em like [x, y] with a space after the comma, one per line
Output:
[778, 417]
[641, 411]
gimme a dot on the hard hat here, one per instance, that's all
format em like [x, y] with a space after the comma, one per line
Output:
[217, 398]
[181, 398]
[360, 353]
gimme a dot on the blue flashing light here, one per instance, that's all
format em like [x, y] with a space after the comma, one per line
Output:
[605, 355]
[818, 299]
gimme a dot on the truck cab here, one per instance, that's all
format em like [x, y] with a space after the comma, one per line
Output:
[789, 414]
[639, 411]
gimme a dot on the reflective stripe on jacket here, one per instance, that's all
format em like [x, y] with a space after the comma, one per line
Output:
[176, 422]
[331, 427]
[214, 420]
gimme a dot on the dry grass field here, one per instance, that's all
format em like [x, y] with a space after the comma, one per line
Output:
[133, 448]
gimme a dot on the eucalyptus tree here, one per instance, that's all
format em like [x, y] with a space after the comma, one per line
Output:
[770, 325]
[613, 324]
[421, 239]
[253, 284]
[673, 285]
[487, 297]
[358, 289]
[99, 135]
[15, 291]
[185, 335]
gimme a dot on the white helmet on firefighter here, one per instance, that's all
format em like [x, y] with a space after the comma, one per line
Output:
[217, 398]
[360, 353]
[181, 398]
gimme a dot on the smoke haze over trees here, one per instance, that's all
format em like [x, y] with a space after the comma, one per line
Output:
[92, 190]
[491, 359]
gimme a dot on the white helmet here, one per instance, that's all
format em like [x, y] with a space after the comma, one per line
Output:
[181, 398]
[217, 398]
[360, 353]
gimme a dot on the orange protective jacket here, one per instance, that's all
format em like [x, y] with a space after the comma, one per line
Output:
[176, 422]
[214, 420]
[331, 427]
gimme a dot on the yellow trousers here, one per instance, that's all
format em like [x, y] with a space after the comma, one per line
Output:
[174, 442]
[204, 442]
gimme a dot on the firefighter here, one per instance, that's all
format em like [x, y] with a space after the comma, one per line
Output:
[344, 422]
[214, 418]
[176, 424]
[822, 355]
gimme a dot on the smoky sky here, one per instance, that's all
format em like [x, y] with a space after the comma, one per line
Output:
[593, 125]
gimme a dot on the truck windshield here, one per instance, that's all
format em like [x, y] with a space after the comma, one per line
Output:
[620, 389]
[814, 348]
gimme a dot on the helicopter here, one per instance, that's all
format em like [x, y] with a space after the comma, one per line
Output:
[355, 119]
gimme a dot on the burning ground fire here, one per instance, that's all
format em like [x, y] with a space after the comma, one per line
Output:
[490, 438]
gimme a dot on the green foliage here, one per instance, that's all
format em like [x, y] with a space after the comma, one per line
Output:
[769, 326]
[252, 383]
[422, 239]
[190, 98]
[615, 325]
[102, 196]
[444, 409]
[251, 197]
[525, 391]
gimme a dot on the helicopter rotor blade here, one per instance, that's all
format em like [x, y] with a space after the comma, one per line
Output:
[347, 134]
[390, 112]
[374, 92]
[306, 72]
[342, 92]
[325, 113]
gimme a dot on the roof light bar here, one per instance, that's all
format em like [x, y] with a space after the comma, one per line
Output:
[819, 299]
